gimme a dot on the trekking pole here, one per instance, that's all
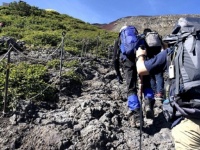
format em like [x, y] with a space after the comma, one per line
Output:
[98, 43]
[61, 57]
[141, 113]
[83, 45]
[6, 84]
[86, 47]
[97, 47]
[109, 50]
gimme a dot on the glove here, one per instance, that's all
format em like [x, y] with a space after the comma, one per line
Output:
[120, 79]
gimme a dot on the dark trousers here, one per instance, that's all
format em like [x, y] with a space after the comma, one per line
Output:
[132, 78]
[157, 80]
[157, 83]
[131, 81]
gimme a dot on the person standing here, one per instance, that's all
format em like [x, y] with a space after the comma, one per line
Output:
[131, 77]
[156, 80]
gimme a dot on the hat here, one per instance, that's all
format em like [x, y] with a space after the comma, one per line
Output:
[122, 28]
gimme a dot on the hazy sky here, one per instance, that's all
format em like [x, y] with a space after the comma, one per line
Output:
[106, 11]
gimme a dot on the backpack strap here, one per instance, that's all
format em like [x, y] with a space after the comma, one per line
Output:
[178, 62]
[179, 59]
[193, 44]
[180, 109]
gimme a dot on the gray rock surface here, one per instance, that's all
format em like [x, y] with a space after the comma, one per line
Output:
[86, 117]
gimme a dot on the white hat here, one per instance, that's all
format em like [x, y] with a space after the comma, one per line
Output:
[122, 28]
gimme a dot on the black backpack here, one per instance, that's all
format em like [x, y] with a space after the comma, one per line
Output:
[153, 42]
[183, 70]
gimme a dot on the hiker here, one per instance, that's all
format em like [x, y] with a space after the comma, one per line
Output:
[127, 59]
[153, 48]
[10, 41]
[182, 107]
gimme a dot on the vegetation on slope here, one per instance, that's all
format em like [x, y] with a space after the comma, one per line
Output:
[42, 29]
[39, 27]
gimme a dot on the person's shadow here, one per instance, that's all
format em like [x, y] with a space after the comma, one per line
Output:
[159, 122]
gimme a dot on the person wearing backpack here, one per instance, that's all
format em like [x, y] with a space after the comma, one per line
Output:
[181, 60]
[124, 52]
[153, 43]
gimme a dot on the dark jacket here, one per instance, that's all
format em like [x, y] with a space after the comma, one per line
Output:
[116, 57]
[119, 57]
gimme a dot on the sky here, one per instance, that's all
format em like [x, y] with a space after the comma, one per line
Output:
[106, 11]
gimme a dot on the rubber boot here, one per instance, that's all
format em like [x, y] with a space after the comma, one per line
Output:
[149, 104]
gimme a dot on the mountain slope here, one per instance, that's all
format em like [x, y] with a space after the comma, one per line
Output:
[43, 28]
[162, 24]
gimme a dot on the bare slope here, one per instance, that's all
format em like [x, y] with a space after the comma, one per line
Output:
[162, 24]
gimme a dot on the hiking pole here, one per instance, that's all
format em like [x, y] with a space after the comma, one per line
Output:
[83, 45]
[61, 57]
[141, 113]
[86, 47]
[6, 84]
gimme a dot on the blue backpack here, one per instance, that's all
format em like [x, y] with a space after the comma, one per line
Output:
[129, 40]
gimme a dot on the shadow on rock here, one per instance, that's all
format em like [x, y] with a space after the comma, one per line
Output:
[159, 123]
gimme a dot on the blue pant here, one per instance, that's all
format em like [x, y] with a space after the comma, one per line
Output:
[133, 101]
[148, 94]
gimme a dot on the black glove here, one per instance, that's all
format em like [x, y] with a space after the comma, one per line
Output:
[120, 79]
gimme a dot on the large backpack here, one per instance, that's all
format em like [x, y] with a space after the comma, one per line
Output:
[184, 70]
[128, 40]
[153, 39]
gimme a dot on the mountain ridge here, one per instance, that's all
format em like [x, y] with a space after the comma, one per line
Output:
[162, 24]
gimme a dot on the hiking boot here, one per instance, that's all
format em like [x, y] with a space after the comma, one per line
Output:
[159, 96]
[149, 108]
[129, 114]
[134, 119]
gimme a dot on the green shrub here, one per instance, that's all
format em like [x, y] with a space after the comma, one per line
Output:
[72, 63]
[72, 74]
[27, 81]
[40, 28]
[53, 64]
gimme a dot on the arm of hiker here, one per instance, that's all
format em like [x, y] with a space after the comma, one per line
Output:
[154, 65]
[141, 56]
[117, 69]
[116, 54]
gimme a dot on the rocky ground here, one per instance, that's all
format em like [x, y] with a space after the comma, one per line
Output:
[91, 117]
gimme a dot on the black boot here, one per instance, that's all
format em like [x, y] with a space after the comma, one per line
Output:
[149, 103]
